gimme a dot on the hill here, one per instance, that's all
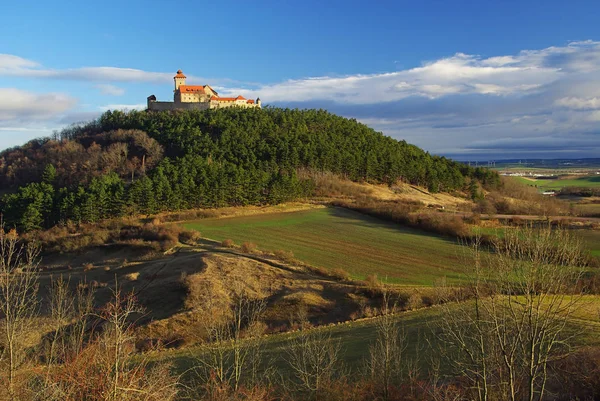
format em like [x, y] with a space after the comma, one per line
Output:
[147, 162]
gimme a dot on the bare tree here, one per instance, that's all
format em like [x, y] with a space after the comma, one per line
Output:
[314, 358]
[233, 355]
[386, 363]
[61, 305]
[18, 304]
[523, 296]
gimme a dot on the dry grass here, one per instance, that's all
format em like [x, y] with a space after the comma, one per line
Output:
[189, 237]
[132, 276]
[153, 236]
[407, 214]
[329, 185]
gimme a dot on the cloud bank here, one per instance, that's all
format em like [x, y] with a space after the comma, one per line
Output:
[537, 103]
[23, 106]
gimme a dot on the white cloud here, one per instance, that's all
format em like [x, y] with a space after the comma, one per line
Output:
[459, 74]
[536, 102]
[15, 66]
[140, 106]
[20, 105]
[108, 89]
[577, 103]
[9, 62]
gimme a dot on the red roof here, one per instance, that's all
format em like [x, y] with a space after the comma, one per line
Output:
[179, 74]
[250, 101]
[191, 89]
[214, 98]
[240, 97]
[226, 99]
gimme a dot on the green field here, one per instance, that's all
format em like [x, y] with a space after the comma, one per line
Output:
[591, 240]
[340, 238]
[542, 185]
[417, 326]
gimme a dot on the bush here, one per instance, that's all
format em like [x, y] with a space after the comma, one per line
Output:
[339, 274]
[248, 247]
[285, 256]
[372, 281]
[228, 243]
[189, 236]
[415, 301]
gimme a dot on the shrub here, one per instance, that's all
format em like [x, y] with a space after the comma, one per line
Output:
[339, 274]
[228, 243]
[248, 247]
[87, 267]
[372, 281]
[285, 256]
[189, 236]
[415, 301]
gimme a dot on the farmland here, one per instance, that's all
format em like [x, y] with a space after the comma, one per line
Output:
[589, 181]
[340, 238]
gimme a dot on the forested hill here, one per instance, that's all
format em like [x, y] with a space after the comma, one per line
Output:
[146, 162]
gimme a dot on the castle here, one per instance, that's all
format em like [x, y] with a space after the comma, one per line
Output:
[197, 97]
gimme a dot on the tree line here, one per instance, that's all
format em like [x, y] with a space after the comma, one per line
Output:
[146, 162]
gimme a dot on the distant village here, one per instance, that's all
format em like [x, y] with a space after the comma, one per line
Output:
[198, 97]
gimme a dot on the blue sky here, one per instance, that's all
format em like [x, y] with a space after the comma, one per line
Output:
[467, 79]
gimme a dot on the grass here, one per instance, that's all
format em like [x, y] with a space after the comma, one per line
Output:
[336, 238]
[584, 182]
[587, 209]
[354, 339]
[591, 240]
[418, 326]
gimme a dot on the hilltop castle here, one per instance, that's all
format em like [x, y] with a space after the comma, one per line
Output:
[197, 97]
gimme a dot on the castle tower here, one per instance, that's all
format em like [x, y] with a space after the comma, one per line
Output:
[258, 102]
[179, 80]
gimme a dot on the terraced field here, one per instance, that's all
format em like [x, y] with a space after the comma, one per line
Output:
[340, 238]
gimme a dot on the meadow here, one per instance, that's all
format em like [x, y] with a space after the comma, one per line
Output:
[419, 329]
[336, 238]
[589, 181]
[591, 240]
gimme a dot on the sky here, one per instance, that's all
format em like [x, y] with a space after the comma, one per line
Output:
[472, 80]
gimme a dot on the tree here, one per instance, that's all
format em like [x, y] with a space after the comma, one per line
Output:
[387, 361]
[516, 322]
[314, 358]
[18, 305]
[49, 174]
[232, 356]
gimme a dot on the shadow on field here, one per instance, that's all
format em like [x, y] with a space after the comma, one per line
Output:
[355, 218]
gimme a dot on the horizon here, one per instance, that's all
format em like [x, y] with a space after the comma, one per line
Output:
[466, 81]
